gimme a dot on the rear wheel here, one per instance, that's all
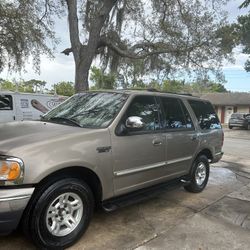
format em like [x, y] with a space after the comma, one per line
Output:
[60, 214]
[199, 175]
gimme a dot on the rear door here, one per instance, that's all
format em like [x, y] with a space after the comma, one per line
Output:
[181, 137]
[6, 108]
[139, 156]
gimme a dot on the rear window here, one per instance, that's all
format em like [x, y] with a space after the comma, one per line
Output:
[205, 114]
[6, 102]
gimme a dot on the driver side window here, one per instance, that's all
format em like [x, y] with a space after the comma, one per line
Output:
[146, 108]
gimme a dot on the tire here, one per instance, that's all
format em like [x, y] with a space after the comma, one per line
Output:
[230, 127]
[248, 127]
[199, 175]
[57, 227]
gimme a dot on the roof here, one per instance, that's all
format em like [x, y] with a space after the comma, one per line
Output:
[149, 92]
[236, 98]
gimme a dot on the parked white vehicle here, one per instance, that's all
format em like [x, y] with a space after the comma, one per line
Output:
[15, 106]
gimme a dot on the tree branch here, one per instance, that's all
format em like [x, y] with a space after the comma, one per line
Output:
[145, 49]
[67, 51]
[45, 12]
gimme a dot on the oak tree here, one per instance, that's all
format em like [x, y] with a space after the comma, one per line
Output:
[26, 31]
[166, 35]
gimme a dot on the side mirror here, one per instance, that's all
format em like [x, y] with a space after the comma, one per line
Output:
[134, 122]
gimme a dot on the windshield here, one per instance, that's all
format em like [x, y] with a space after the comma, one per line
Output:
[92, 109]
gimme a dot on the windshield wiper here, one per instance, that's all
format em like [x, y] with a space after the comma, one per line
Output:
[63, 120]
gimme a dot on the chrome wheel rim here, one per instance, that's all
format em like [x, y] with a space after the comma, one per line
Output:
[200, 173]
[64, 214]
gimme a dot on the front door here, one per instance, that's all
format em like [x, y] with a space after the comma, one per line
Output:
[139, 156]
[228, 112]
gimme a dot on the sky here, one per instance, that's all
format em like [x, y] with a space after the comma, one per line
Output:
[61, 68]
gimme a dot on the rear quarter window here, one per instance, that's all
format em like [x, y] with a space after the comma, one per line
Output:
[205, 114]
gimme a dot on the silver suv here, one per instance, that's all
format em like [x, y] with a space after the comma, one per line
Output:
[101, 148]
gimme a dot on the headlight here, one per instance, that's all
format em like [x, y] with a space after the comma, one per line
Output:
[11, 170]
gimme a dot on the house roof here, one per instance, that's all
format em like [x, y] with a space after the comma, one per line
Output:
[236, 98]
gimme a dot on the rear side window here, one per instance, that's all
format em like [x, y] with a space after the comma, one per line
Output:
[6, 102]
[175, 114]
[205, 114]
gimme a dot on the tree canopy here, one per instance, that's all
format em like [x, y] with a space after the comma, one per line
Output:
[245, 4]
[167, 36]
[157, 37]
[238, 34]
[244, 36]
[64, 88]
[30, 86]
[26, 29]
[101, 80]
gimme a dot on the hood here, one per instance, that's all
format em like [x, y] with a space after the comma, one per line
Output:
[14, 135]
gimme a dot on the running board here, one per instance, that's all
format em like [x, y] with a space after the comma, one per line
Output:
[185, 182]
[141, 195]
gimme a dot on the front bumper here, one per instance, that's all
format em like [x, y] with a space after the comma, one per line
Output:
[12, 205]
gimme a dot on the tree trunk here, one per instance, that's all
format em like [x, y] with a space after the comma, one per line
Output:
[82, 66]
[84, 54]
[81, 77]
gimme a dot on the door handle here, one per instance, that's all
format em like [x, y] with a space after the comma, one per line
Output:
[157, 142]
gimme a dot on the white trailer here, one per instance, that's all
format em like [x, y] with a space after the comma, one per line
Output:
[15, 106]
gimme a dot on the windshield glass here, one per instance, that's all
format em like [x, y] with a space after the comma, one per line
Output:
[92, 109]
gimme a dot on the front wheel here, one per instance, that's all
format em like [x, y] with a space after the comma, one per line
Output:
[61, 214]
[199, 175]
[230, 127]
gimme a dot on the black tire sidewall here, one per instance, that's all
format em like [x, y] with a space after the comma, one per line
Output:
[39, 232]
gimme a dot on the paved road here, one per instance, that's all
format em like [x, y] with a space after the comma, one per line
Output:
[237, 150]
[237, 147]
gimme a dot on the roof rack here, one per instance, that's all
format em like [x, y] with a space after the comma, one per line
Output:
[159, 91]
